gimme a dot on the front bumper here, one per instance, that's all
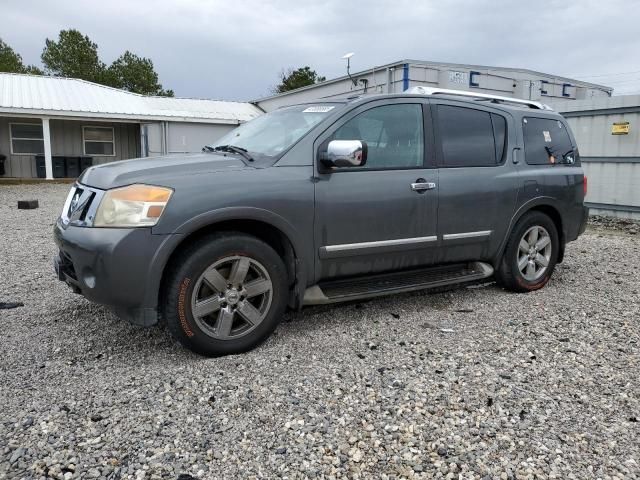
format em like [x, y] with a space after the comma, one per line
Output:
[118, 267]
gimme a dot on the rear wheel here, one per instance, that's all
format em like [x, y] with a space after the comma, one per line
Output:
[531, 254]
[225, 294]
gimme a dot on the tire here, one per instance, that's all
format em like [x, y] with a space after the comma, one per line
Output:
[516, 275]
[207, 316]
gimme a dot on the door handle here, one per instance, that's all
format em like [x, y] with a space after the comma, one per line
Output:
[421, 185]
[516, 154]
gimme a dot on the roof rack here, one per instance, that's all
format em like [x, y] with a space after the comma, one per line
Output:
[494, 98]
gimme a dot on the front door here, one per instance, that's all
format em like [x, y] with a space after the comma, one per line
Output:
[375, 218]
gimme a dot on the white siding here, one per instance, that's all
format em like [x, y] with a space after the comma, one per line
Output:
[191, 137]
[611, 162]
[394, 78]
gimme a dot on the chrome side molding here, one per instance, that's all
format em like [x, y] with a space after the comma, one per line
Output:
[329, 251]
[380, 243]
[457, 236]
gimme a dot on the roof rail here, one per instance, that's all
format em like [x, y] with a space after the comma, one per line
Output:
[496, 98]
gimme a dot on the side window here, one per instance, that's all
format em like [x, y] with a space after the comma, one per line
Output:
[393, 133]
[471, 138]
[545, 140]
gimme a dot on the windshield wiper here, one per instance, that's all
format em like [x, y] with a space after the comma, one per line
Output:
[233, 149]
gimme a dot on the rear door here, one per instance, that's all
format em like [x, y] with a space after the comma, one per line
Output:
[370, 219]
[552, 164]
[478, 182]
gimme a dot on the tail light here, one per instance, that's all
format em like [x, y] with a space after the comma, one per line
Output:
[584, 185]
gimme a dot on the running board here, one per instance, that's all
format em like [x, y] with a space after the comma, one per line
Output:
[389, 283]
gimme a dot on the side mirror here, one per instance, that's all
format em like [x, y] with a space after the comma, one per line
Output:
[345, 153]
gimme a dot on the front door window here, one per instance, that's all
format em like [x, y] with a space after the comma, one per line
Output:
[393, 133]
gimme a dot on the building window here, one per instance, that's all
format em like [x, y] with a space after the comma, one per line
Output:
[26, 138]
[98, 141]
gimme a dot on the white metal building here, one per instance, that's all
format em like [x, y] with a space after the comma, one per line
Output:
[398, 76]
[611, 158]
[54, 127]
[607, 131]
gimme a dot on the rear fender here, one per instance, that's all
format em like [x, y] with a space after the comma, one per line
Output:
[548, 202]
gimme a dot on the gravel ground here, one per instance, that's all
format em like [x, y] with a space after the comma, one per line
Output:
[469, 383]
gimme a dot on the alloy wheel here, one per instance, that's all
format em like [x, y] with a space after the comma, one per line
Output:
[534, 253]
[231, 297]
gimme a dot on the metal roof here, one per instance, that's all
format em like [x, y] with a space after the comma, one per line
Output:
[70, 97]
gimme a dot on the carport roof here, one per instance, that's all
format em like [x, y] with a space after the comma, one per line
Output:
[70, 97]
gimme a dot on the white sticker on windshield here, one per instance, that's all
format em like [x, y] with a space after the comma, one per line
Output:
[317, 109]
[547, 136]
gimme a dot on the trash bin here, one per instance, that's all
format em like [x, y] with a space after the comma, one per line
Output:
[58, 167]
[2, 159]
[85, 162]
[40, 167]
[72, 167]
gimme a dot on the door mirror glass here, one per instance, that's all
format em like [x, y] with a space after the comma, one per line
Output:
[345, 153]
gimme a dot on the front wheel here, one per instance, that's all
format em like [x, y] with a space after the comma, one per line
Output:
[225, 294]
[531, 254]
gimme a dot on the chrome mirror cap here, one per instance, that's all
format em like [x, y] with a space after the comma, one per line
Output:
[346, 153]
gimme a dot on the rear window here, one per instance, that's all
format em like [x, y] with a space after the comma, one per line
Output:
[545, 140]
[471, 138]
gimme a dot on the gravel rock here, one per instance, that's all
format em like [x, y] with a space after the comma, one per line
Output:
[542, 385]
[617, 224]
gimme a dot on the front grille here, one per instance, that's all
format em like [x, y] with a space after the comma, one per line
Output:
[73, 204]
[79, 203]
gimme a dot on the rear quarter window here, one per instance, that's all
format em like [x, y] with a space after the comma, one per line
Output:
[545, 140]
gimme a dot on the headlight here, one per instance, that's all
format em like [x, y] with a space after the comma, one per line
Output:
[132, 206]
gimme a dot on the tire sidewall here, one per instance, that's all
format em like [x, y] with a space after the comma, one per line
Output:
[181, 319]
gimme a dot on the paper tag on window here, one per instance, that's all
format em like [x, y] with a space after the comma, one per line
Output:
[318, 109]
[547, 136]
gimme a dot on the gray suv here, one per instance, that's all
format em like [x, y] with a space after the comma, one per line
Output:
[326, 202]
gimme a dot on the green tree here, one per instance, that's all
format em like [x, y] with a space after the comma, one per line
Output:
[135, 74]
[10, 61]
[301, 77]
[33, 70]
[73, 55]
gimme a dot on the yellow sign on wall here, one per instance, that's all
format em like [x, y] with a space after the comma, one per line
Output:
[620, 128]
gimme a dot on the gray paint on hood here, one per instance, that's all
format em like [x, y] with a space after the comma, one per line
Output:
[161, 170]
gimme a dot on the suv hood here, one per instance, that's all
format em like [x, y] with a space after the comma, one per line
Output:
[158, 170]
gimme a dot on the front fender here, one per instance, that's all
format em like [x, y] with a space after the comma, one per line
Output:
[210, 218]
[242, 213]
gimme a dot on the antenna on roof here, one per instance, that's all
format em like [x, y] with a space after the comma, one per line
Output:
[347, 57]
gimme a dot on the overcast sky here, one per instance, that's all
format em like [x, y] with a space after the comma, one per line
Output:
[233, 50]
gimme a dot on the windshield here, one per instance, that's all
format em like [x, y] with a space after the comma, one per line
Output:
[274, 132]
